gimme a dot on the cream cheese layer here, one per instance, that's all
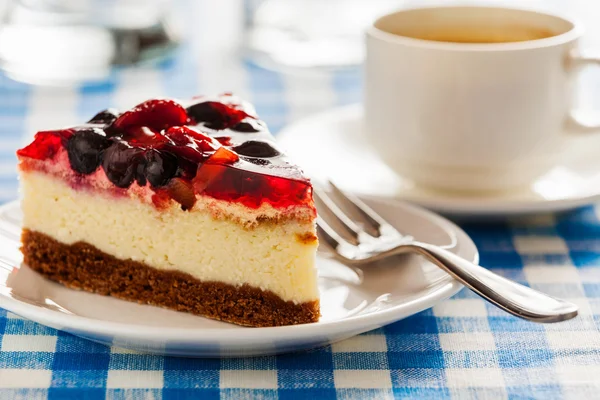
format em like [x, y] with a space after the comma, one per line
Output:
[274, 255]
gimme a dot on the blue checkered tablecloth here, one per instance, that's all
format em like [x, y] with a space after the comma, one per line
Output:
[462, 348]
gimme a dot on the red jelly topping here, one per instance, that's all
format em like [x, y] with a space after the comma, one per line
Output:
[45, 145]
[214, 147]
[224, 140]
[249, 188]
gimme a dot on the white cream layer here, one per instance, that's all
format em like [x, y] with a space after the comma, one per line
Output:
[269, 256]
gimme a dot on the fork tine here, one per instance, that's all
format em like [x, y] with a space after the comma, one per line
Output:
[375, 221]
[330, 236]
[355, 232]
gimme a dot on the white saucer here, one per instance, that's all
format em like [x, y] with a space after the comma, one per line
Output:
[332, 145]
[352, 301]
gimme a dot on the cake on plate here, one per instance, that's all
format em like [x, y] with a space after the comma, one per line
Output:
[185, 205]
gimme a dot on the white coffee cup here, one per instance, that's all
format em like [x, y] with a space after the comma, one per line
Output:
[480, 111]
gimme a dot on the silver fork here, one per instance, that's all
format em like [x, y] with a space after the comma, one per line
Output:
[373, 239]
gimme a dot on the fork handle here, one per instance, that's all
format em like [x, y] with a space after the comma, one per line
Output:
[510, 296]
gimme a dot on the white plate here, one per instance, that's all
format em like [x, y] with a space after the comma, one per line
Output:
[332, 145]
[352, 301]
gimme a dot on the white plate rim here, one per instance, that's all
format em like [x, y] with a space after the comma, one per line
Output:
[457, 206]
[370, 321]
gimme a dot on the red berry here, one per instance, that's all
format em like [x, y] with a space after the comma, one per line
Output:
[190, 144]
[155, 114]
[145, 138]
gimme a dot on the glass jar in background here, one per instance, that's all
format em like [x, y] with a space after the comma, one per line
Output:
[310, 34]
[64, 42]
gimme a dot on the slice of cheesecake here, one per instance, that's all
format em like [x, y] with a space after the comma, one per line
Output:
[189, 206]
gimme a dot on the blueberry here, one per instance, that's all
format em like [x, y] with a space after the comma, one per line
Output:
[85, 149]
[216, 115]
[210, 113]
[256, 148]
[140, 174]
[105, 117]
[257, 161]
[160, 167]
[186, 169]
[121, 162]
[248, 126]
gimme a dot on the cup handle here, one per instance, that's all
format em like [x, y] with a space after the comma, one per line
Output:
[578, 59]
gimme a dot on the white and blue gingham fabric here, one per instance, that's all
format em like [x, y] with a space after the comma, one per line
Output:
[462, 348]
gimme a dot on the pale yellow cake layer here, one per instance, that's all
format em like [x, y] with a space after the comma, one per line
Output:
[269, 256]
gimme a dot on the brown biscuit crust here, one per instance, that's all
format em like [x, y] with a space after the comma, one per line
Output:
[84, 267]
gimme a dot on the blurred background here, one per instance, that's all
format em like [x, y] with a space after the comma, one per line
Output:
[61, 61]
